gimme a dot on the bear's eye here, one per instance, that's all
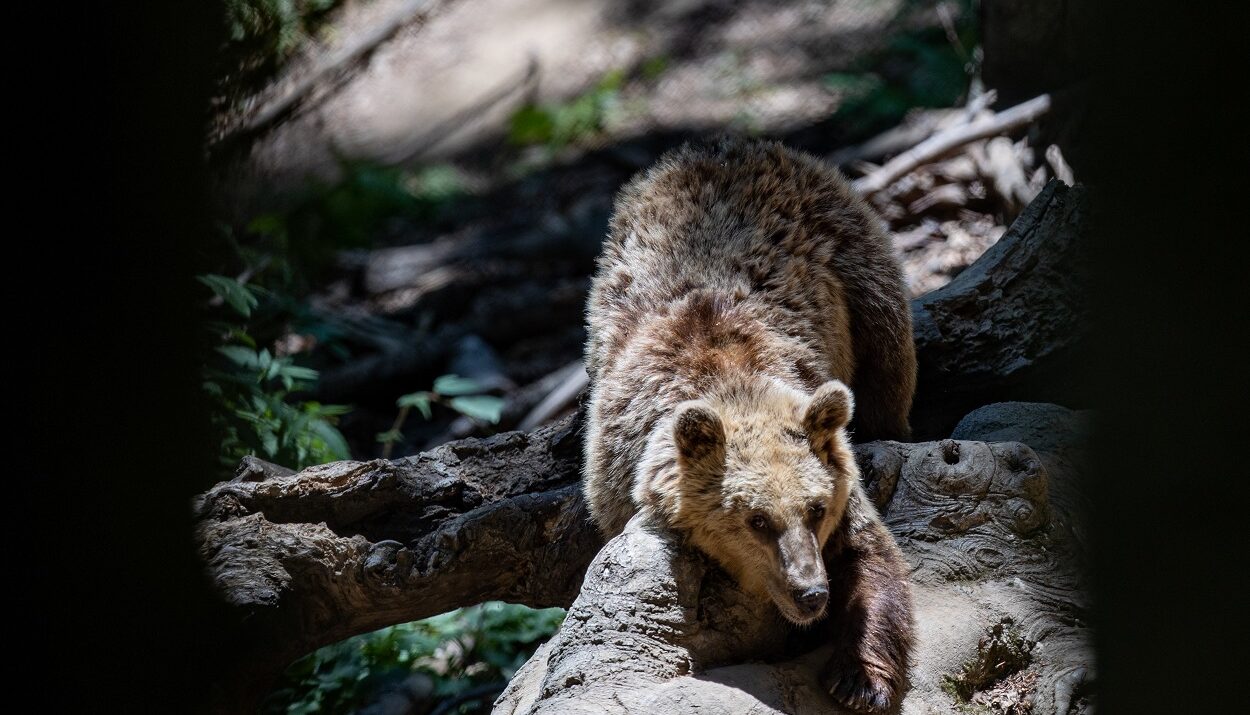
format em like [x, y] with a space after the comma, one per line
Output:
[758, 522]
[817, 511]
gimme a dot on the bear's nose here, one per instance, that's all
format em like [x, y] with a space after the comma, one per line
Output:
[811, 600]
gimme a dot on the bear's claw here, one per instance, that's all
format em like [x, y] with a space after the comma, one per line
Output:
[859, 691]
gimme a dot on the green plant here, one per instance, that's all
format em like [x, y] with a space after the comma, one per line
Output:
[458, 650]
[250, 388]
[653, 67]
[560, 124]
[461, 394]
[303, 238]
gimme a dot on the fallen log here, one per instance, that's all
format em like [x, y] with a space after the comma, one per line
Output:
[311, 558]
[1000, 603]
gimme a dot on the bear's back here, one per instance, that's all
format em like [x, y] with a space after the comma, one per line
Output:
[769, 227]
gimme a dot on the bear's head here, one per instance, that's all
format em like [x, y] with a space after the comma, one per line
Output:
[758, 477]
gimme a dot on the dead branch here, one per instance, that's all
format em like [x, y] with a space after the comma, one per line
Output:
[574, 381]
[345, 548]
[914, 129]
[1003, 166]
[1063, 172]
[943, 142]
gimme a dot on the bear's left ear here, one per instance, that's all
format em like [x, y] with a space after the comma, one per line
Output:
[699, 436]
[828, 412]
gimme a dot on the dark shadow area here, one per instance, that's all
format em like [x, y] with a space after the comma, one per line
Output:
[1169, 376]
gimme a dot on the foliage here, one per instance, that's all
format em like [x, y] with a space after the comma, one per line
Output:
[462, 394]
[262, 34]
[560, 124]
[255, 391]
[251, 389]
[919, 68]
[653, 67]
[459, 650]
[350, 213]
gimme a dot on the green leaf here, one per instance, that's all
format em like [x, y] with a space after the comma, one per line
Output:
[482, 407]
[270, 442]
[654, 67]
[295, 372]
[267, 224]
[331, 410]
[240, 356]
[232, 292]
[451, 385]
[419, 400]
[531, 125]
[336, 446]
[389, 436]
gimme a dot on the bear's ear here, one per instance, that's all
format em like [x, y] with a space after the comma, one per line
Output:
[828, 412]
[699, 436]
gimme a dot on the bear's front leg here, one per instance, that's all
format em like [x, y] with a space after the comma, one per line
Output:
[869, 617]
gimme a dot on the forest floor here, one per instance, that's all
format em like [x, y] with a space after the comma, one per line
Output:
[506, 129]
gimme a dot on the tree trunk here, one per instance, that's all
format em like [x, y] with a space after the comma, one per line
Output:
[1014, 325]
[311, 558]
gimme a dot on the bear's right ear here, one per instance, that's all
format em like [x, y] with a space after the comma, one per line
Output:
[699, 437]
[826, 416]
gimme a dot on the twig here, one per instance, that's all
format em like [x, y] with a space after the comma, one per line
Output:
[352, 51]
[557, 399]
[914, 130]
[952, 35]
[953, 138]
[944, 195]
[1001, 164]
[1063, 172]
[396, 426]
[915, 237]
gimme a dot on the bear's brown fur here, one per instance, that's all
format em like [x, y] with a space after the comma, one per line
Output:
[742, 288]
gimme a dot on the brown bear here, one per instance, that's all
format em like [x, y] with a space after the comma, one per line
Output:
[743, 291]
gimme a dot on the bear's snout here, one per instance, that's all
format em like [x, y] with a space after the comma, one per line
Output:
[810, 601]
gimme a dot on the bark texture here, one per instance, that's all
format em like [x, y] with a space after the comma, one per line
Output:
[312, 558]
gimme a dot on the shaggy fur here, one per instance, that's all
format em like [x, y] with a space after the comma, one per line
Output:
[742, 288]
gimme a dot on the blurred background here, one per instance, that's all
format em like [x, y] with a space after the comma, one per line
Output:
[408, 198]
